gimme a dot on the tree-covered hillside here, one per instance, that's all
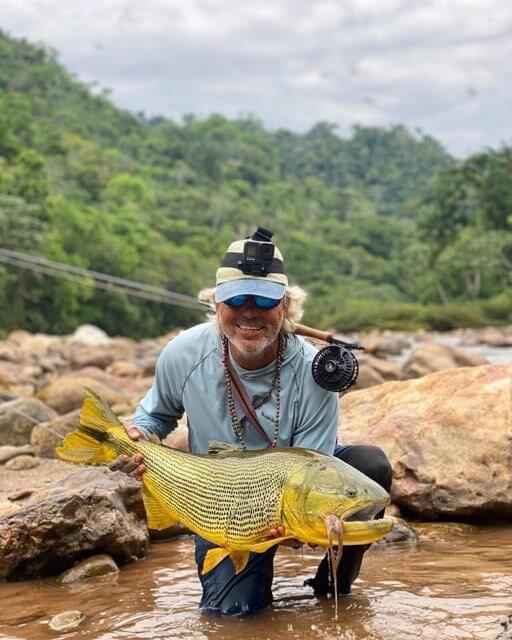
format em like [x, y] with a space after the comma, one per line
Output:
[382, 229]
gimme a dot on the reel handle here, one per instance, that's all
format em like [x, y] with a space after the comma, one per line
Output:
[309, 332]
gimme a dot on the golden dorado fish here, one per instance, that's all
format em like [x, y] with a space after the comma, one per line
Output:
[233, 497]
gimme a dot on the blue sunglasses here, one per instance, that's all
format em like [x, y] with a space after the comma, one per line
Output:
[262, 302]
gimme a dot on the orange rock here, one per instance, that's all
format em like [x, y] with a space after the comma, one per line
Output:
[448, 436]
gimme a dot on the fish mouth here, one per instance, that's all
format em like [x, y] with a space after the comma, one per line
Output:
[358, 525]
[355, 532]
[364, 510]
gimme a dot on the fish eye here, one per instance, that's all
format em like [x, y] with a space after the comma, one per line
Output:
[351, 492]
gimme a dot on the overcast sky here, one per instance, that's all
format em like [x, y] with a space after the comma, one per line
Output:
[444, 66]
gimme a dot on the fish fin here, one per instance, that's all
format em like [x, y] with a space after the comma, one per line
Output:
[96, 414]
[261, 547]
[157, 514]
[89, 443]
[239, 560]
[215, 447]
[213, 557]
[81, 447]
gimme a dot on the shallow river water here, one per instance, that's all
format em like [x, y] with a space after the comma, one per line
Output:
[454, 583]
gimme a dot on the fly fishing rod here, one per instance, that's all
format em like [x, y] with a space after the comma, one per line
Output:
[335, 367]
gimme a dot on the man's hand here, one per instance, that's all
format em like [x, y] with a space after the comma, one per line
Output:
[279, 532]
[133, 466]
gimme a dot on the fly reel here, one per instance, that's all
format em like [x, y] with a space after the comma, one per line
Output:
[335, 367]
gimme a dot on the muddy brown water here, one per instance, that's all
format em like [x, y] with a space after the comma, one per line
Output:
[455, 583]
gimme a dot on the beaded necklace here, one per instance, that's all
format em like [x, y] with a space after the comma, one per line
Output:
[258, 401]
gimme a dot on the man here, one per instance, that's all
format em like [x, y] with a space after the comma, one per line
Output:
[249, 343]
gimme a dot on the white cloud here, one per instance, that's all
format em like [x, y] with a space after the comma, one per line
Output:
[442, 65]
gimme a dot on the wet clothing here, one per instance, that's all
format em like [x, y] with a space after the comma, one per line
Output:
[226, 593]
[190, 377]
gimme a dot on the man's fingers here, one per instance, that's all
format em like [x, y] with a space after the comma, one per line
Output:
[119, 463]
[275, 532]
[139, 470]
[134, 466]
[133, 433]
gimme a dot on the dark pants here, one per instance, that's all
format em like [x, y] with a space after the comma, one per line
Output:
[226, 593]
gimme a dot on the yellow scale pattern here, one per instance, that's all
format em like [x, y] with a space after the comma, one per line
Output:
[234, 499]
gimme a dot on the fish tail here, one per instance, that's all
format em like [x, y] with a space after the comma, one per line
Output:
[91, 443]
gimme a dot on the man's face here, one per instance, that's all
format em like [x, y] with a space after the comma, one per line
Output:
[250, 329]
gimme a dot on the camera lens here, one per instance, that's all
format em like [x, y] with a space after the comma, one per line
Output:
[267, 250]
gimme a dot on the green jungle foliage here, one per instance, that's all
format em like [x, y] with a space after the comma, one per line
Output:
[383, 229]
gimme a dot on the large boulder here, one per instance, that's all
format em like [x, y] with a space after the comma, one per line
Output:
[428, 358]
[18, 417]
[94, 510]
[448, 437]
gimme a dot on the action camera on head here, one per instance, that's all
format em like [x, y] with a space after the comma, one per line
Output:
[258, 253]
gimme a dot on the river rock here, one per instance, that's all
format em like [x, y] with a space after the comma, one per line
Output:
[21, 463]
[92, 567]
[84, 356]
[148, 365]
[6, 378]
[8, 509]
[66, 621]
[18, 417]
[374, 371]
[401, 532]
[37, 343]
[11, 353]
[387, 370]
[428, 358]
[21, 494]
[94, 510]
[385, 344]
[367, 377]
[47, 436]
[9, 451]
[90, 335]
[124, 369]
[491, 336]
[448, 437]
[68, 392]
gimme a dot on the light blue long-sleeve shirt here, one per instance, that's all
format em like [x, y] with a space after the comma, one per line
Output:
[190, 378]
